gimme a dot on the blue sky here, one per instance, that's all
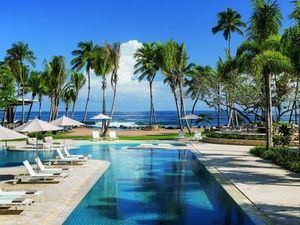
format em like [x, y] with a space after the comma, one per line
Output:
[54, 27]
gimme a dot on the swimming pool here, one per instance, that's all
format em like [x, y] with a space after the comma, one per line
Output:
[154, 187]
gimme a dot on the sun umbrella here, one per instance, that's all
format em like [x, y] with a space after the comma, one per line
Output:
[66, 122]
[7, 134]
[190, 117]
[100, 117]
[37, 125]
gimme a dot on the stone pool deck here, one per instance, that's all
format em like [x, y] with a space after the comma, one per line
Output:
[274, 191]
[58, 200]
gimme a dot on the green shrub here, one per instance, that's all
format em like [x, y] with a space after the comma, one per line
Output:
[213, 134]
[280, 156]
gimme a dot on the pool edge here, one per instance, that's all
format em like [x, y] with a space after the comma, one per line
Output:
[254, 213]
[79, 195]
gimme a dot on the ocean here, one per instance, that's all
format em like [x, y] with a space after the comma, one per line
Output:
[136, 119]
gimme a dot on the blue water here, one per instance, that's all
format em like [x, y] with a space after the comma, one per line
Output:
[154, 187]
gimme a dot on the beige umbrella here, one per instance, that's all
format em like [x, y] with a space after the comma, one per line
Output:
[7, 134]
[66, 122]
[190, 117]
[35, 126]
[100, 117]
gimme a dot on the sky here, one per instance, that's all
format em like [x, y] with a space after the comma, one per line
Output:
[54, 27]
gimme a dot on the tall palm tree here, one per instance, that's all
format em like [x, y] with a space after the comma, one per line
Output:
[147, 67]
[263, 49]
[67, 95]
[295, 15]
[55, 75]
[34, 83]
[229, 21]
[77, 80]
[114, 51]
[103, 67]
[84, 57]
[17, 55]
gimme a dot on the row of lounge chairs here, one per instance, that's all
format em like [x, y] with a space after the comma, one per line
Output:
[96, 136]
[181, 136]
[14, 199]
[47, 144]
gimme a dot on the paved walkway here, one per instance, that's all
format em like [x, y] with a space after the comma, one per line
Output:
[275, 191]
[58, 200]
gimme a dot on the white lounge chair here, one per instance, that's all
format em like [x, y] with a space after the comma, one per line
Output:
[14, 201]
[61, 158]
[43, 169]
[96, 135]
[180, 135]
[37, 176]
[197, 136]
[112, 135]
[49, 140]
[19, 193]
[68, 155]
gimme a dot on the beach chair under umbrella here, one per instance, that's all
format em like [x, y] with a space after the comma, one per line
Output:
[7, 134]
[65, 122]
[37, 126]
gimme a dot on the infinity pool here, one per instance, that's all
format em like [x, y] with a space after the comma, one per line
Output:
[154, 187]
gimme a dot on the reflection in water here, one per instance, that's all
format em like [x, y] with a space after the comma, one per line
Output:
[154, 187]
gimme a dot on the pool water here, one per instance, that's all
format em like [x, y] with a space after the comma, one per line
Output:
[154, 187]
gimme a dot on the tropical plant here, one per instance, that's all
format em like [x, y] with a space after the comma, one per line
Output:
[83, 57]
[55, 75]
[7, 89]
[77, 81]
[263, 50]
[229, 21]
[34, 83]
[114, 51]
[67, 96]
[146, 67]
[17, 55]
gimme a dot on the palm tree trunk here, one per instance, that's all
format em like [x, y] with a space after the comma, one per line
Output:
[219, 109]
[177, 108]
[104, 85]
[269, 140]
[112, 110]
[182, 104]
[151, 103]
[88, 96]
[195, 103]
[229, 43]
[30, 107]
[40, 106]
[23, 106]
[51, 108]
[73, 108]
[67, 109]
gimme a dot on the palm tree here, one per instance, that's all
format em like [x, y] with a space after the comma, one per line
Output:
[295, 15]
[67, 95]
[229, 21]
[84, 57]
[147, 67]
[263, 49]
[55, 75]
[34, 83]
[103, 67]
[16, 56]
[173, 63]
[114, 51]
[77, 80]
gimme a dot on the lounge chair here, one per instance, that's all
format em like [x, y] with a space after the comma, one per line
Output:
[112, 135]
[197, 136]
[96, 135]
[180, 135]
[31, 142]
[19, 193]
[14, 201]
[68, 155]
[49, 140]
[48, 170]
[37, 176]
[62, 159]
